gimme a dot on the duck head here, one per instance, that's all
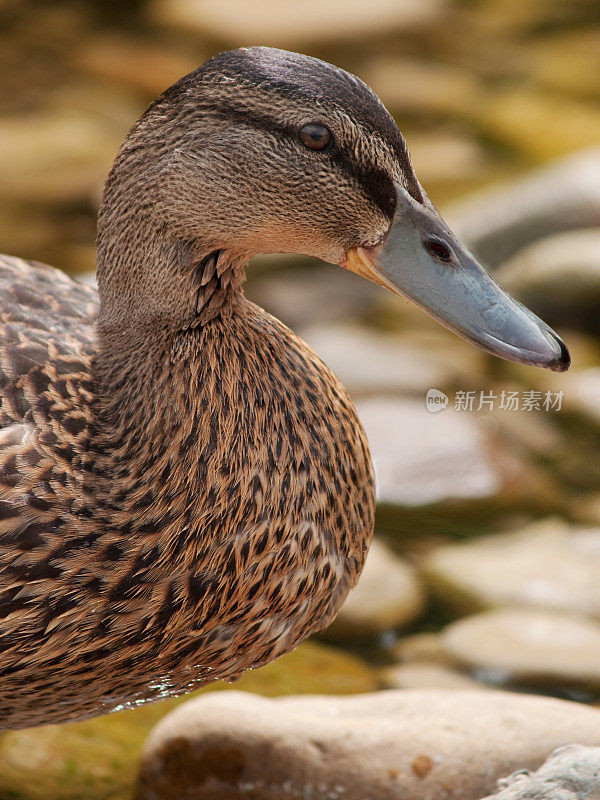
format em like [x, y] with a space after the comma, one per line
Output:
[263, 150]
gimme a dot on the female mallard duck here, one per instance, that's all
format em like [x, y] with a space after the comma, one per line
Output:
[185, 489]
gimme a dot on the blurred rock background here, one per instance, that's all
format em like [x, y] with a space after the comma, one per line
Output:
[486, 565]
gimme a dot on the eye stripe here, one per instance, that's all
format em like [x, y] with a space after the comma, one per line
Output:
[375, 182]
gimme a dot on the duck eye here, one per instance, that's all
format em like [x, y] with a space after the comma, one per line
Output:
[315, 136]
[438, 249]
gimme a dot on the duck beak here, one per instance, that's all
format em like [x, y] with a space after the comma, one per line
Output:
[421, 259]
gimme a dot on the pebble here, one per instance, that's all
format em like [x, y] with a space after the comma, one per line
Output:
[548, 564]
[426, 675]
[420, 647]
[586, 509]
[293, 25]
[422, 87]
[311, 294]
[424, 458]
[141, 65]
[371, 362]
[498, 221]
[582, 392]
[55, 156]
[520, 117]
[530, 646]
[535, 433]
[568, 61]
[447, 156]
[558, 277]
[417, 745]
[388, 595]
[570, 773]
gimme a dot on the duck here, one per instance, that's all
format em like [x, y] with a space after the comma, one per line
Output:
[186, 491]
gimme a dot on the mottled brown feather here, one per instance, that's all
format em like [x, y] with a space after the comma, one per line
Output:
[214, 535]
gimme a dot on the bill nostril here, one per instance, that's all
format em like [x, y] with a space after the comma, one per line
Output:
[438, 249]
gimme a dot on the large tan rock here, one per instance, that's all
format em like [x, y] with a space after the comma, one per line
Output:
[414, 745]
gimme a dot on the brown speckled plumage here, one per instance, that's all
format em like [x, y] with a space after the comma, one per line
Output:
[185, 488]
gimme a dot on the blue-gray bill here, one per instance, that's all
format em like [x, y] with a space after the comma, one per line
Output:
[422, 260]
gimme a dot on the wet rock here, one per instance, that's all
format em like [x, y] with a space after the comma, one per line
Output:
[528, 646]
[496, 222]
[558, 277]
[312, 668]
[292, 25]
[369, 362]
[388, 595]
[570, 773]
[410, 744]
[548, 564]
[424, 458]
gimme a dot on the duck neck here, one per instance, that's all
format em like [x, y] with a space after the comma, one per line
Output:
[154, 289]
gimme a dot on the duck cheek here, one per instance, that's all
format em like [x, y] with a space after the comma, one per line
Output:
[286, 236]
